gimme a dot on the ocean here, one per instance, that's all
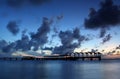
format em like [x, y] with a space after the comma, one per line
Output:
[58, 69]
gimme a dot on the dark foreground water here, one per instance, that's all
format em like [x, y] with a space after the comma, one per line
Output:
[105, 69]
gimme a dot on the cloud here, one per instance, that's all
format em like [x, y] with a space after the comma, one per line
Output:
[15, 3]
[56, 26]
[69, 40]
[23, 43]
[9, 48]
[102, 32]
[111, 52]
[3, 43]
[55, 30]
[106, 38]
[24, 31]
[38, 2]
[21, 3]
[39, 38]
[13, 27]
[59, 17]
[36, 40]
[94, 50]
[108, 15]
[47, 48]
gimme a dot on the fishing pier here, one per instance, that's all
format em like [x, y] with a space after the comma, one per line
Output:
[70, 56]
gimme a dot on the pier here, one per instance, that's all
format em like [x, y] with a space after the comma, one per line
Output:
[86, 56]
[70, 56]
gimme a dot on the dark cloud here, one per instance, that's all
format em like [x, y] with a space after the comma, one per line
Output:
[106, 38]
[13, 27]
[108, 15]
[15, 3]
[47, 48]
[94, 50]
[23, 44]
[69, 40]
[3, 43]
[20, 3]
[60, 17]
[55, 30]
[36, 40]
[24, 31]
[38, 2]
[39, 38]
[9, 48]
[102, 32]
[112, 52]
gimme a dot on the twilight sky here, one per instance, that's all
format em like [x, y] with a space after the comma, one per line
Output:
[53, 23]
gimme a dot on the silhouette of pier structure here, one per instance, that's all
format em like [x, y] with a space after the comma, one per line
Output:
[86, 55]
[69, 56]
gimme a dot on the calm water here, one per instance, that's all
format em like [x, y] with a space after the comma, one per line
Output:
[107, 69]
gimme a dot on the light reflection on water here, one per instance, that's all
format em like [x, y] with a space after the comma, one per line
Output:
[106, 69]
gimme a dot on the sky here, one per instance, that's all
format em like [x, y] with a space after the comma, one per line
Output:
[60, 25]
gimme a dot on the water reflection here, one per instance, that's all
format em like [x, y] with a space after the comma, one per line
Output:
[111, 70]
[59, 70]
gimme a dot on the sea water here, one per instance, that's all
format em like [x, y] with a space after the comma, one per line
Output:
[36, 69]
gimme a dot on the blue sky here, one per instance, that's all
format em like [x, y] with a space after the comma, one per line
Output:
[29, 16]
